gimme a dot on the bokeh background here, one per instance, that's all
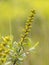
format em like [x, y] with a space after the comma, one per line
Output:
[14, 15]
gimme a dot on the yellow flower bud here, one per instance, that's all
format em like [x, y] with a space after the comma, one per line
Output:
[6, 39]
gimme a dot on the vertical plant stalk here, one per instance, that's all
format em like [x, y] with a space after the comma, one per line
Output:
[26, 32]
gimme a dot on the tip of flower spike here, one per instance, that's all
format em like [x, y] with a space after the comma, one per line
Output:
[33, 11]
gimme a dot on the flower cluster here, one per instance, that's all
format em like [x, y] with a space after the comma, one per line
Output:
[4, 49]
[27, 27]
[13, 53]
[26, 31]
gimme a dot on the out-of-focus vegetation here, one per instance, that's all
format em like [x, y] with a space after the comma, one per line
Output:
[13, 16]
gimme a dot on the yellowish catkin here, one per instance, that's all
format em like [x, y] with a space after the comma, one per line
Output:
[4, 51]
[26, 31]
[27, 27]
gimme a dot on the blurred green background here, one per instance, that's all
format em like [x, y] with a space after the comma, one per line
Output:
[13, 16]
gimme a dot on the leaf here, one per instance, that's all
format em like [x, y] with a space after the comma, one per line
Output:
[28, 43]
[35, 45]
